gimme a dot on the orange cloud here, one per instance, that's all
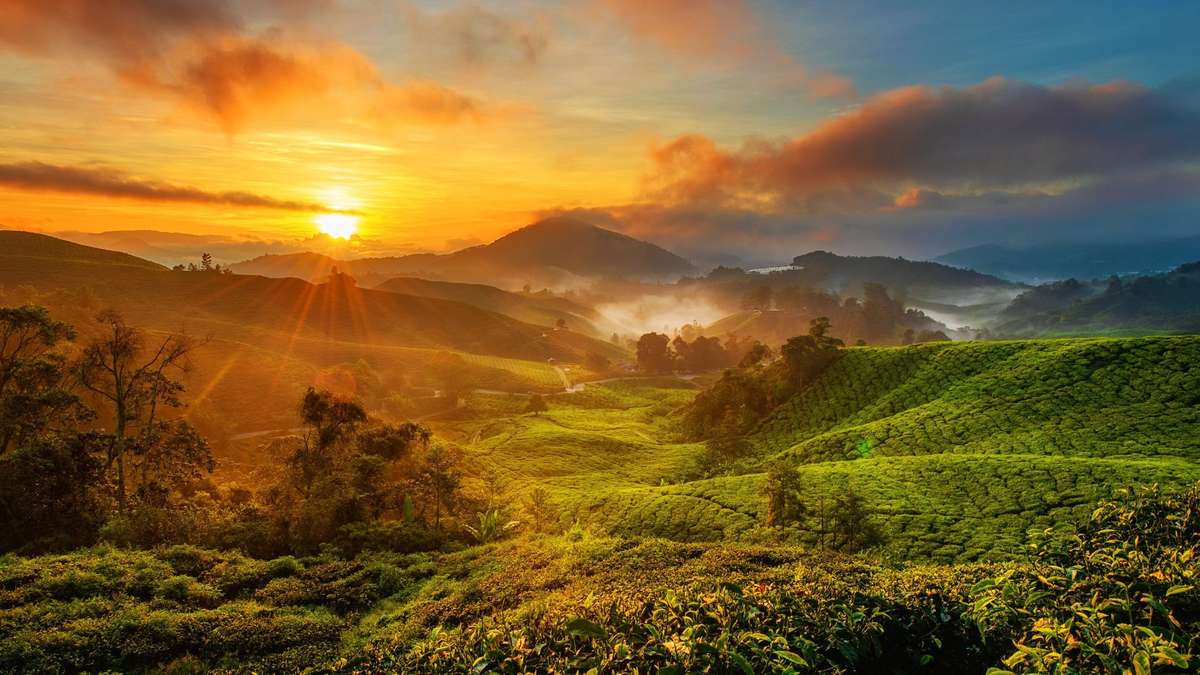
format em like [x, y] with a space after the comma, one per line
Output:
[108, 182]
[721, 31]
[901, 146]
[195, 53]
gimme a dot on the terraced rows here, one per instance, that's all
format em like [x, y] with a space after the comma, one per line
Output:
[1102, 398]
[959, 450]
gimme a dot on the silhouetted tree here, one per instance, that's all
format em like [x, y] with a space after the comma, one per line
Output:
[134, 380]
[35, 394]
[537, 405]
[654, 354]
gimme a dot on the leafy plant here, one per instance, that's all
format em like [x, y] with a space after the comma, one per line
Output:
[492, 526]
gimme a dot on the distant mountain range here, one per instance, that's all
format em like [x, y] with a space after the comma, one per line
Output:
[1037, 264]
[244, 306]
[551, 252]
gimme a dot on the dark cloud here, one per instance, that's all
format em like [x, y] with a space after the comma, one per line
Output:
[109, 182]
[998, 135]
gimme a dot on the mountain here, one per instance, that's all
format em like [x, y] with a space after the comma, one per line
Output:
[270, 338]
[551, 252]
[1148, 304]
[1035, 264]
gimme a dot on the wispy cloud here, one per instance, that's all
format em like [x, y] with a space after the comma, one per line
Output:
[108, 182]
[722, 32]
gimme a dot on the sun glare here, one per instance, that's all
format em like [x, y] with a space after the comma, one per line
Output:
[337, 225]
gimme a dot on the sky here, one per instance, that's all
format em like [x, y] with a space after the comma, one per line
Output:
[737, 131]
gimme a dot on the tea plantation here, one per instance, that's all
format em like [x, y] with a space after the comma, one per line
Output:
[959, 449]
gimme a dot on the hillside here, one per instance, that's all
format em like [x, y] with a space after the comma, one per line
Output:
[927, 280]
[550, 252]
[531, 308]
[40, 247]
[270, 338]
[958, 448]
[1079, 260]
[1148, 304]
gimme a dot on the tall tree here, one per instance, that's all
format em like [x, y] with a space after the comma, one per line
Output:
[118, 368]
[330, 420]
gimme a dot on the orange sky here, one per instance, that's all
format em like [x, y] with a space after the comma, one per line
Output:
[753, 128]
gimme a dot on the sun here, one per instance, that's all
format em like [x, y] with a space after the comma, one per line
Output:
[337, 225]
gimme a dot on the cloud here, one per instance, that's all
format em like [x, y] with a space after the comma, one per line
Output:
[244, 82]
[919, 170]
[477, 38]
[108, 182]
[198, 54]
[999, 135]
[721, 32]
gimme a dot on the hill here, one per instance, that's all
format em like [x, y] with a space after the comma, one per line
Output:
[958, 449]
[1080, 260]
[32, 246]
[550, 252]
[273, 337]
[537, 309]
[1142, 305]
[927, 280]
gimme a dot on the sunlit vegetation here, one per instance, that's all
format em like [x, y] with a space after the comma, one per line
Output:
[258, 498]
[1118, 594]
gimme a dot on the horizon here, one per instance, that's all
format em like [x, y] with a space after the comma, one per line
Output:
[721, 131]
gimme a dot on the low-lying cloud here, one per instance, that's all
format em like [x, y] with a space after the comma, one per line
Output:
[109, 182]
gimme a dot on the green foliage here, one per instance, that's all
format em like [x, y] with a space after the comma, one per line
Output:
[492, 526]
[1120, 595]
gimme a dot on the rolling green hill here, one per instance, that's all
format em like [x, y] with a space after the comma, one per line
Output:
[959, 449]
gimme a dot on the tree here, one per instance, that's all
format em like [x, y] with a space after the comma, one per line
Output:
[206, 262]
[851, 527]
[330, 420]
[439, 477]
[880, 313]
[654, 354]
[806, 356]
[560, 324]
[34, 392]
[782, 490]
[118, 369]
[757, 355]
[703, 353]
[537, 405]
[541, 509]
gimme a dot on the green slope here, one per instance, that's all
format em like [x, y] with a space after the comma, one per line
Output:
[959, 449]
